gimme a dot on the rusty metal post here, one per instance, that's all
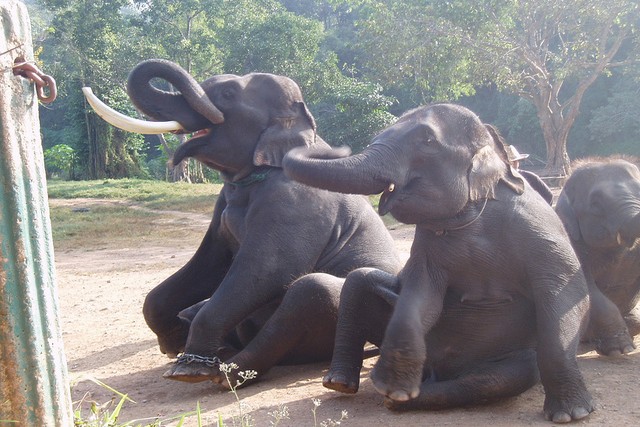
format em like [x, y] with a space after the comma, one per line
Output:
[34, 389]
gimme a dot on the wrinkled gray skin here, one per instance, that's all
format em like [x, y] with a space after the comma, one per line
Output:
[492, 298]
[600, 208]
[272, 263]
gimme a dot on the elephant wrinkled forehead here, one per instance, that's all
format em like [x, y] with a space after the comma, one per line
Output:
[269, 87]
[450, 124]
[212, 81]
[612, 168]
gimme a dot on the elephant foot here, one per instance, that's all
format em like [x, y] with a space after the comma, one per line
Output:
[633, 322]
[173, 342]
[614, 345]
[344, 380]
[565, 411]
[192, 368]
[396, 406]
[397, 381]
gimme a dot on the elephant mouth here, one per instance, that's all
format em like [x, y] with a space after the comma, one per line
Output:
[388, 198]
[628, 242]
[194, 147]
[200, 134]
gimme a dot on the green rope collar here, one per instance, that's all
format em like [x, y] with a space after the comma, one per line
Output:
[254, 177]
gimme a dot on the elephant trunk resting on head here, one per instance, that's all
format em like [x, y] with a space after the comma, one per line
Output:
[273, 261]
[600, 208]
[492, 297]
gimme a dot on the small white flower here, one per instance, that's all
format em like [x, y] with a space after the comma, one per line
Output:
[247, 375]
[228, 367]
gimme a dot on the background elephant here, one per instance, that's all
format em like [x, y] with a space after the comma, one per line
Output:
[600, 208]
[492, 295]
[267, 234]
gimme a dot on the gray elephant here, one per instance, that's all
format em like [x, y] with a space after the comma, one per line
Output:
[272, 263]
[492, 298]
[600, 208]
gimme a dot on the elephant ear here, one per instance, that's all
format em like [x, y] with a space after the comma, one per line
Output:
[295, 129]
[487, 169]
[512, 178]
[568, 216]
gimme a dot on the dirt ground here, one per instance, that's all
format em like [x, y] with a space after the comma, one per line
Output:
[101, 293]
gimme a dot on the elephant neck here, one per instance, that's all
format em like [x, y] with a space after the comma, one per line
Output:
[463, 219]
[259, 174]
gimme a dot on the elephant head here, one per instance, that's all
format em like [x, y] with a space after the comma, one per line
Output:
[428, 165]
[237, 122]
[600, 203]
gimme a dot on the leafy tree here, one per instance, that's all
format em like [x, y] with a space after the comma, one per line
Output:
[352, 112]
[184, 32]
[85, 45]
[616, 123]
[534, 49]
[348, 111]
[60, 158]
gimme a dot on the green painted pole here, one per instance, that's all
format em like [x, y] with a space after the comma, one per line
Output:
[34, 390]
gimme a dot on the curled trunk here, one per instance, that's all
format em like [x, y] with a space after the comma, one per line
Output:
[331, 170]
[191, 107]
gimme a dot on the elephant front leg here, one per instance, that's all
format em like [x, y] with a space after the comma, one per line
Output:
[607, 328]
[398, 373]
[560, 317]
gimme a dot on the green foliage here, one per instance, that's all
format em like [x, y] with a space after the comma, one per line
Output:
[60, 159]
[355, 60]
[89, 43]
[352, 112]
[533, 49]
[106, 414]
[615, 125]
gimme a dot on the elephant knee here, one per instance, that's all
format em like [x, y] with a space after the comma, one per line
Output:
[314, 291]
[362, 283]
[155, 309]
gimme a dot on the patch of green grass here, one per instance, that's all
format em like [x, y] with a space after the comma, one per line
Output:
[100, 225]
[158, 195]
[106, 414]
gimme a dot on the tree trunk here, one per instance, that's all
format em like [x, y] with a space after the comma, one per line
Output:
[98, 136]
[555, 131]
[179, 172]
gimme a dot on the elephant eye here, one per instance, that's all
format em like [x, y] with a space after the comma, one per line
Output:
[228, 93]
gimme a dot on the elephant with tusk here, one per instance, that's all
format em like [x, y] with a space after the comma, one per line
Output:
[264, 285]
[492, 298]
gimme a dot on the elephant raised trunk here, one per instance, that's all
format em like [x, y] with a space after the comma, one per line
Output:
[163, 105]
[188, 111]
[335, 170]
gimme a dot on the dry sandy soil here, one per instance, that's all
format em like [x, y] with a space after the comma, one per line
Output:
[101, 292]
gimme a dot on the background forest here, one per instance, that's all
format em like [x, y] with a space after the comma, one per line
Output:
[560, 79]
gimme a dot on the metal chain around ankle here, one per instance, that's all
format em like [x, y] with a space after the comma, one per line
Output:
[186, 358]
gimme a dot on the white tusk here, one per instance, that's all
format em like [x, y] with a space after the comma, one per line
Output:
[127, 123]
[619, 239]
[392, 187]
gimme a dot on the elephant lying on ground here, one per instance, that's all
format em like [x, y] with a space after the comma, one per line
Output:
[600, 208]
[492, 298]
[274, 258]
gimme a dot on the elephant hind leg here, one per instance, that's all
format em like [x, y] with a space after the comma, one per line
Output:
[301, 330]
[358, 323]
[483, 383]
